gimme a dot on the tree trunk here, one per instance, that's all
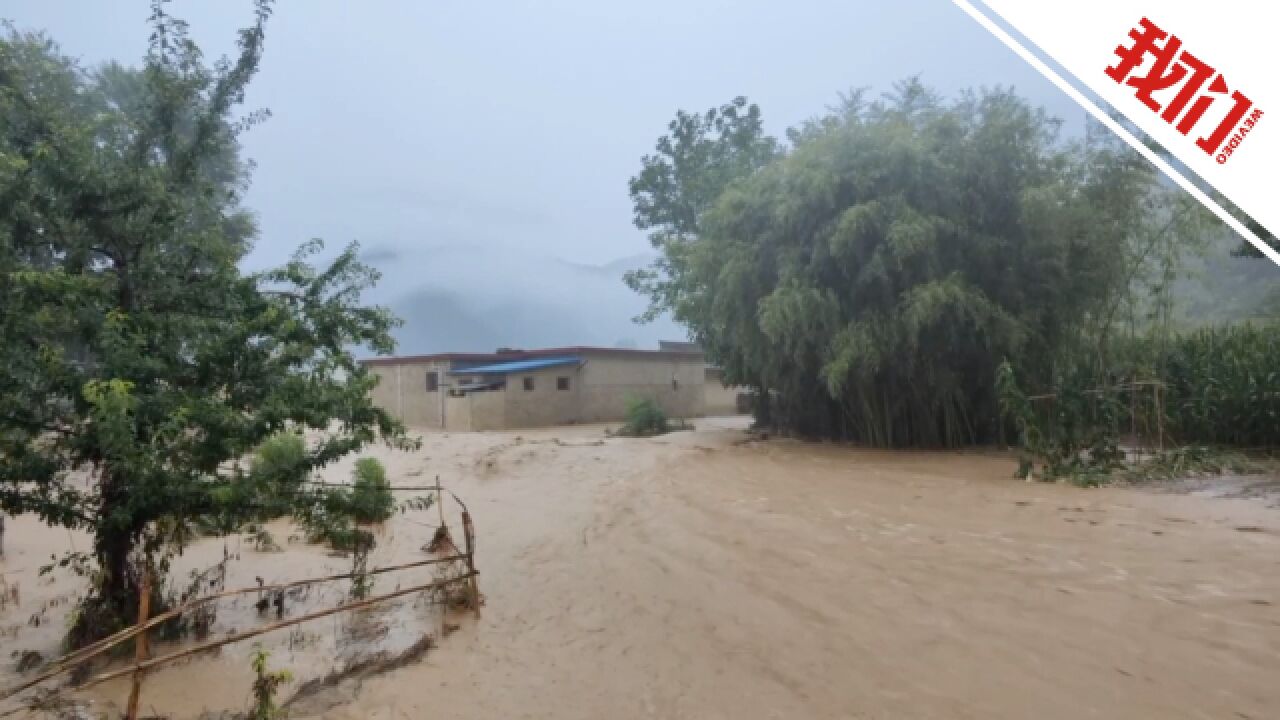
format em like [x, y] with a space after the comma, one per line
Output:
[119, 581]
[763, 410]
[113, 603]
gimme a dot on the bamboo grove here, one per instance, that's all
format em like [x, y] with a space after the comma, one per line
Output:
[870, 278]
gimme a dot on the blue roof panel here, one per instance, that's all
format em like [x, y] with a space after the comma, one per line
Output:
[517, 366]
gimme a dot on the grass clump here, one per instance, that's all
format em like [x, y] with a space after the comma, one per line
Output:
[645, 418]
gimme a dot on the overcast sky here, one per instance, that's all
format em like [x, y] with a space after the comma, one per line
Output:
[517, 124]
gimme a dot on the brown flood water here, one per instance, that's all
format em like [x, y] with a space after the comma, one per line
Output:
[694, 576]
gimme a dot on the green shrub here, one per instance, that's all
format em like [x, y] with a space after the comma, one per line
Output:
[280, 456]
[644, 418]
[371, 498]
[333, 514]
[279, 468]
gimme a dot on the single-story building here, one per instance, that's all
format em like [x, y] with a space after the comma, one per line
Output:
[530, 388]
[721, 399]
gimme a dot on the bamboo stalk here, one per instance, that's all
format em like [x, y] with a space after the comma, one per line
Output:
[1133, 414]
[1098, 391]
[1159, 419]
[147, 664]
[67, 662]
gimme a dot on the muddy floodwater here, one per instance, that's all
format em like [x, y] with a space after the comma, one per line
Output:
[701, 575]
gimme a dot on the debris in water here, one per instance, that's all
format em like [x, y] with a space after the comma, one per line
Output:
[441, 541]
[28, 660]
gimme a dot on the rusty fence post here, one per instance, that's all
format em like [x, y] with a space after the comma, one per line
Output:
[140, 643]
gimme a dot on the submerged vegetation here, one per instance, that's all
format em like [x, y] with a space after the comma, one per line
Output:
[334, 515]
[644, 418]
[921, 272]
[266, 685]
[371, 499]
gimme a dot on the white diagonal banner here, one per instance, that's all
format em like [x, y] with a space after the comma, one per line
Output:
[1198, 78]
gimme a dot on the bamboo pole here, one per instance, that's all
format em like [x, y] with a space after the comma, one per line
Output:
[468, 535]
[440, 500]
[1159, 418]
[414, 488]
[140, 645]
[148, 664]
[68, 661]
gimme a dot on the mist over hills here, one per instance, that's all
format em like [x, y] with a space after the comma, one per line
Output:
[455, 298]
[1221, 288]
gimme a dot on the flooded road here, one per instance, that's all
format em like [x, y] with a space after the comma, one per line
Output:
[696, 575]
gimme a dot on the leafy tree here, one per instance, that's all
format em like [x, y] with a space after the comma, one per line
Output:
[141, 364]
[869, 282]
[701, 155]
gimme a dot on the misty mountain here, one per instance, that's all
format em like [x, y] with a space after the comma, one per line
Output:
[455, 298]
[1221, 288]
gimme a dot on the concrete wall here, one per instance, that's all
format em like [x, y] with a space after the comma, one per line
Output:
[599, 389]
[476, 411]
[676, 383]
[457, 413]
[488, 409]
[545, 404]
[721, 399]
[402, 391]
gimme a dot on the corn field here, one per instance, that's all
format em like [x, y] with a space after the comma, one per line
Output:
[1217, 386]
[1223, 386]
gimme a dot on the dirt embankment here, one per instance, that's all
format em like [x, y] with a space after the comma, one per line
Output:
[692, 576]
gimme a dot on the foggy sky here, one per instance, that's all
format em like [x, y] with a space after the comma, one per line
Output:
[509, 129]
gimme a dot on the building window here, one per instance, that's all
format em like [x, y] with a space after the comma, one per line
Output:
[562, 383]
[433, 381]
[528, 384]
